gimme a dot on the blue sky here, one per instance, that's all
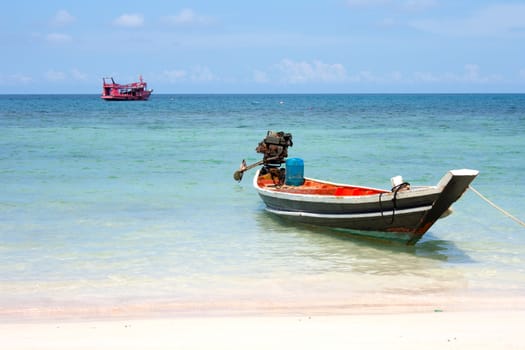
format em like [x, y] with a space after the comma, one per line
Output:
[328, 46]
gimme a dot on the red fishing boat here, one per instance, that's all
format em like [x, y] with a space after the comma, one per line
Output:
[137, 91]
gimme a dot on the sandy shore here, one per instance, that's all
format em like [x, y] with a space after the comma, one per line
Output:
[367, 322]
[428, 330]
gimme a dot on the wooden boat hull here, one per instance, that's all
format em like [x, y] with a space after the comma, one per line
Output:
[143, 97]
[404, 215]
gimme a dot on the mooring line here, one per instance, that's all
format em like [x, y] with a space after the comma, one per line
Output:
[497, 207]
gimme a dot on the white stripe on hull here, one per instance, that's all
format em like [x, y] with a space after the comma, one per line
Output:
[349, 216]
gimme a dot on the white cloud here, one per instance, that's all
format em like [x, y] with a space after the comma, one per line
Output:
[63, 18]
[174, 76]
[57, 76]
[388, 22]
[187, 17]
[201, 73]
[367, 3]
[418, 5]
[260, 76]
[15, 79]
[301, 72]
[471, 74]
[404, 5]
[54, 76]
[428, 77]
[195, 74]
[371, 77]
[133, 20]
[493, 20]
[78, 75]
[292, 72]
[58, 38]
[522, 74]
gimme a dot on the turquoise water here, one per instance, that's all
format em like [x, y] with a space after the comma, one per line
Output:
[127, 204]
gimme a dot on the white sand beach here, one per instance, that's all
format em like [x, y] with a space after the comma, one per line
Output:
[428, 330]
[409, 322]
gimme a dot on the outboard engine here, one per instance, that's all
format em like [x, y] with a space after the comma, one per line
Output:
[274, 147]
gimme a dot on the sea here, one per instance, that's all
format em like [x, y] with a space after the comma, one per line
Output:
[130, 208]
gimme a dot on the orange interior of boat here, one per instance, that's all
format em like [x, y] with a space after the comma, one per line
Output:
[318, 188]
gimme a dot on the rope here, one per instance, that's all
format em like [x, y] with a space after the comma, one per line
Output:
[495, 206]
[395, 189]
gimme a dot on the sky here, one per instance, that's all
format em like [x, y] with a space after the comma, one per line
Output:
[271, 46]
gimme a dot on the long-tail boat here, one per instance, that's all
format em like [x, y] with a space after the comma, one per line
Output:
[403, 213]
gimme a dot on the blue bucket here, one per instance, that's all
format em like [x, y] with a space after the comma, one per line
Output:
[294, 172]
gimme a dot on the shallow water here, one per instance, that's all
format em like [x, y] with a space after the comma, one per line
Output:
[114, 203]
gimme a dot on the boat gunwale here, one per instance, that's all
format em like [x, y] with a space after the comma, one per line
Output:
[351, 215]
[416, 191]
